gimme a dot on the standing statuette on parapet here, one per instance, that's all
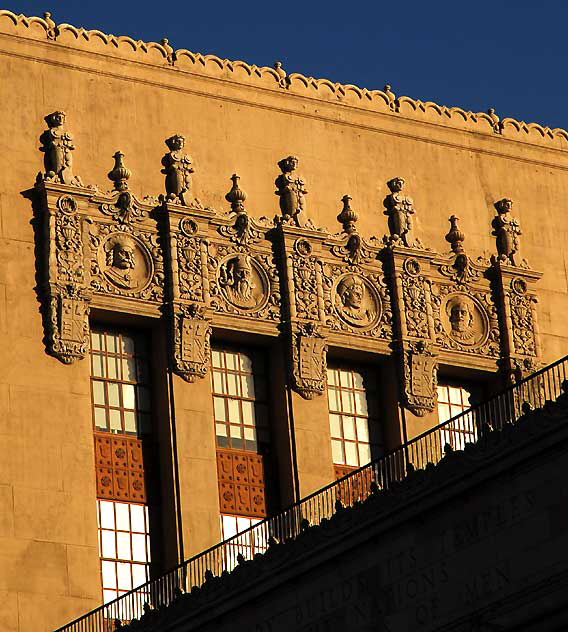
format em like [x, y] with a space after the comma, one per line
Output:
[170, 53]
[495, 121]
[178, 169]
[283, 79]
[291, 189]
[57, 147]
[399, 210]
[391, 96]
[507, 230]
[51, 26]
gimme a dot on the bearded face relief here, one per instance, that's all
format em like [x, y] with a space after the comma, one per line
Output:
[125, 262]
[465, 322]
[355, 302]
[242, 282]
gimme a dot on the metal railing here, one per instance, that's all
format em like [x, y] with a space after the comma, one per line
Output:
[505, 408]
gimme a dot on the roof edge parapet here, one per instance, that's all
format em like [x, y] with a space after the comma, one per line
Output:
[384, 101]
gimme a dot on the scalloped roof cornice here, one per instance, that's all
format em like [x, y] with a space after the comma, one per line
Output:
[383, 101]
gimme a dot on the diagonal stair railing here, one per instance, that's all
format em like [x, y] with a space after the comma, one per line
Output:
[381, 473]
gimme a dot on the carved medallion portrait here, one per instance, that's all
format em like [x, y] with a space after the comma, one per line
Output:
[125, 262]
[464, 320]
[243, 283]
[356, 302]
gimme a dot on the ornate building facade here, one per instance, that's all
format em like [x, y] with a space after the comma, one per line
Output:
[181, 358]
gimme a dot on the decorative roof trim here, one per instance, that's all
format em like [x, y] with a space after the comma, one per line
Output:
[276, 79]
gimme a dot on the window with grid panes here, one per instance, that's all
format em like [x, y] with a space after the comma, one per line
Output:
[453, 400]
[239, 399]
[353, 420]
[247, 545]
[119, 383]
[124, 546]
[121, 408]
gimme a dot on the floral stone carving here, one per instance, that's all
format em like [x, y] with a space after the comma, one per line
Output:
[67, 322]
[523, 318]
[57, 147]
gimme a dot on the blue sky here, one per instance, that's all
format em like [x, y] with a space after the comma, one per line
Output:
[510, 55]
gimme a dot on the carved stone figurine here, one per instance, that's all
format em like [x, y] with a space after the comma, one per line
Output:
[121, 261]
[178, 170]
[57, 146]
[461, 320]
[353, 308]
[291, 189]
[399, 209]
[507, 230]
[236, 278]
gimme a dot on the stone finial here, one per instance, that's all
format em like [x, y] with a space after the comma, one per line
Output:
[399, 210]
[495, 120]
[57, 145]
[236, 197]
[390, 95]
[291, 189]
[51, 26]
[170, 53]
[506, 229]
[119, 173]
[177, 169]
[348, 217]
[455, 236]
[283, 79]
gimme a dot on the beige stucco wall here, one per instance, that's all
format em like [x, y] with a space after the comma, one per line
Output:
[235, 120]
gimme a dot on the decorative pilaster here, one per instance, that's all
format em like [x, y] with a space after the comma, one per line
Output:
[188, 289]
[305, 314]
[67, 295]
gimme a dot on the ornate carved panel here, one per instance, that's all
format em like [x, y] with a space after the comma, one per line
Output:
[309, 360]
[126, 261]
[99, 247]
[188, 298]
[419, 368]
[242, 275]
[465, 320]
[241, 477]
[67, 297]
[518, 319]
[356, 297]
[203, 268]
[120, 468]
